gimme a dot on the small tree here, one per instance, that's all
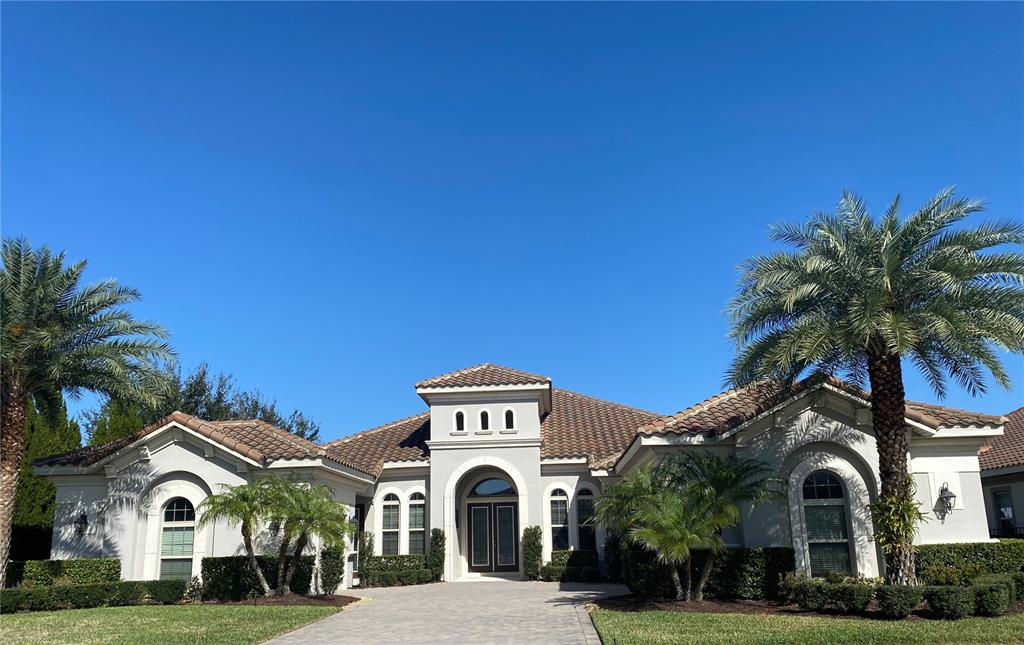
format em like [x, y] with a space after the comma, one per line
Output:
[532, 551]
[365, 550]
[247, 505]
[311, 513]
[435, 557]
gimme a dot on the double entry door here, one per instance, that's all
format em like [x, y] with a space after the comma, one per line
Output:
[493, 536]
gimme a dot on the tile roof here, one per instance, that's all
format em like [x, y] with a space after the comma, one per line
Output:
[485, 374]
[366, 451]
[252, 438]
[1007, 450]
[734, 407]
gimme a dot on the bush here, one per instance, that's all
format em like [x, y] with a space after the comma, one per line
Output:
[748, 574]
[897, 601]
[974, 559]
[643, 574]
[232, 577]
[365, 549]
[950, 602]
[381, 578]
[40, 598]
[332, 569]
[404, 577]
[435, 557]
[1002, 579]
[375, 563]
[80, 571]
[613, 558]
[851, 597]
[939, 575]
[566, 558]
[551, 573]
[991, 599]
[812, 595]
[532, 549]
[1018, 581]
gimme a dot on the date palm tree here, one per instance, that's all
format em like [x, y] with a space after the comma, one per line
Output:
[856, 297]
[58, 337]
[721, 483]
[654, 515]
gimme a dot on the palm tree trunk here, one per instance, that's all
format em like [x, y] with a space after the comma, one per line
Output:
[705, 573]
[676, 582]
[282, 561]
[247, 541]
[12, 447]
[888, 414]
[687, 580]
[300, 544]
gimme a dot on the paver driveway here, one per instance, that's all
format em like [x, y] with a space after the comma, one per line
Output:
[462, 612]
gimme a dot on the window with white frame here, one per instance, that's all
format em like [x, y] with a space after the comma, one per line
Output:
[825, 516]
[559, 520]
[460, 421]
[510, 419]
[389, 512]
[585, 531]
[485, 420]
[417, 524]
[177, 540]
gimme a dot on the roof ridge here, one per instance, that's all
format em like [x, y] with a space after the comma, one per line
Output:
[631, 408]
[379, 428]
[440, 379]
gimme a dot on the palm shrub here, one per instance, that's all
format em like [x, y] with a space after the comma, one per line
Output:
[310, 512]
[59, 336]
[856, 296]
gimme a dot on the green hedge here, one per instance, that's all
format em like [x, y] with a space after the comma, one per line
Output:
[817, 594]
[897, 601]
[532, 552]
[379, 563]
[435, 555]
[79, 571]
[232, 577]
[967, 561]
[950, 602]
[568, 558]
[403, 577]
[992, 599]
[557, 573]
[113, 594]
[332, 569]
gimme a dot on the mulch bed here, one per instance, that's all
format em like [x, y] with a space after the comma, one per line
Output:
[293, 599]
[761, 607]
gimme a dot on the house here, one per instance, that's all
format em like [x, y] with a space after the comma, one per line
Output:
[498, 449]
[1002, 478]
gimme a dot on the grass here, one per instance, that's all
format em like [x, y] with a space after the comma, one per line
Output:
[158, 624]
[657, 627]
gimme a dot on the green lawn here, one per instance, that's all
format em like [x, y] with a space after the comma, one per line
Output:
[648, 627]
[158, 624]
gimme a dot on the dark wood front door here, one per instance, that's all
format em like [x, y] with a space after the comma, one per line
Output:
[493, 536]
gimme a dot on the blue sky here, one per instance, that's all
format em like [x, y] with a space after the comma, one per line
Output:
[332, 201]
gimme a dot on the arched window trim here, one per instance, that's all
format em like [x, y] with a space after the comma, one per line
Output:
[842, 502]
[417, 523]
[459, 419]
[483, 419]
[177, 539]
[506, 426]
[391, 524]
[558, 503]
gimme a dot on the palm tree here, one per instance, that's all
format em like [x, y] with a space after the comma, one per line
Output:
[856, 296]
[248, 505]
[656, 516]
[311, 514]
[721, 483]
[61, 337]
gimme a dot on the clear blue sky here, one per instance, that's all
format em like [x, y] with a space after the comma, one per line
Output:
[332, 201]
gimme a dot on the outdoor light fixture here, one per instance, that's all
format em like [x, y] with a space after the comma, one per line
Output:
[946, 498]
[81, 524]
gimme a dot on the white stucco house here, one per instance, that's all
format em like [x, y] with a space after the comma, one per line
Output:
[1002, 478]
[498, 449]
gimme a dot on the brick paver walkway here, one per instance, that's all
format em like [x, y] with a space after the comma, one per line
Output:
[462, 612]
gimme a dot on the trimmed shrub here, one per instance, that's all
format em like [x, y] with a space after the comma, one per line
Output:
[748, 574]
[643, 574]
[532, 549]
[332, 569]
[939, 575]
[78, 571]
[1018, 581]
[950, 602]
[409, 576]
[39, 598]
[812, 595]
[381, 578]
[551, 573]
[404, 577]
[365, 549]
[435, 557]
[1003, 579]
[579, 559]
[232, 577]
[376, 563]
[897, 601]
[991, 599]
[972, 559]
[613, 558]
[851, 597]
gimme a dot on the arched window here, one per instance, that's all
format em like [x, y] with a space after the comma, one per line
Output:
[828, 536]
[559, 520]
[177, 537]
[510, 419]
[417, 524]
[389, 525]
[584, 513]
[460, 421]
[493, 487]
[485, 420]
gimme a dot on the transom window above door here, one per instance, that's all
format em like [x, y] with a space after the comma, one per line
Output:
[493, 487]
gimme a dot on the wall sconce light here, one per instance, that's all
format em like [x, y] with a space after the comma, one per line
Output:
[947, 498]
[81, 524]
